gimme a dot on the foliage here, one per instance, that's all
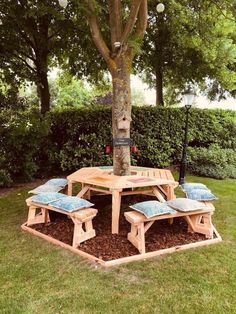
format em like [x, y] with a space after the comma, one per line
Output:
[72, 92]
[68, 139]
[191, 41]
[21, 139]
[66, 91]
[30, 41]
[213, 162]
[5, 178]
[37, 36]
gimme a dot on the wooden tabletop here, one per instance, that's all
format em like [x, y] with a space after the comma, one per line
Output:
[140, 177]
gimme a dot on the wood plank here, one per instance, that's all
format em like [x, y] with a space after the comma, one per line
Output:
[100, 190]
[135, 192]
[69, 188]
[158, 194]
[116, 202]
[83, 191]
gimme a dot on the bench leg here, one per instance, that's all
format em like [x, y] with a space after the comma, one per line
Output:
[141, 238]
[81, 233]
[200, 223]
[34, 218]
[137, 236]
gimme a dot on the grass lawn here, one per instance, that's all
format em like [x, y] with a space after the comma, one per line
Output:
[37, 277]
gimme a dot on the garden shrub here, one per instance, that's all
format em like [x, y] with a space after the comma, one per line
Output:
[212, 162]
[5, 178]
[68, 139]
[21, 136]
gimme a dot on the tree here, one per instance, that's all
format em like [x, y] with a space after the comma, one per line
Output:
[190, 42]
[127, 25]
[33, 33]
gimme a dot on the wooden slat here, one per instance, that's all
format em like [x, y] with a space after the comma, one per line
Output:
[137, 217]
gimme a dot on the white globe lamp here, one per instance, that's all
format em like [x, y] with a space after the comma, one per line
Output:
[160, 7]
[63, 3]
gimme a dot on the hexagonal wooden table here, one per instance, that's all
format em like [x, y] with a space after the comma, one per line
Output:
[158, 182]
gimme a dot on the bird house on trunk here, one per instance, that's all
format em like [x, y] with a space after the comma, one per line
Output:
[123, 121]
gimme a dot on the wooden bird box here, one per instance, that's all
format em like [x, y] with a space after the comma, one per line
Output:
[123, 121]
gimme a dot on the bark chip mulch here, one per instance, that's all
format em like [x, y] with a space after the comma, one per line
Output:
[109, 246]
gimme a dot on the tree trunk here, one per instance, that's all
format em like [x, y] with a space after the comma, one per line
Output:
[119, 61]
[159, 86]
[42, 83]
[43, 88]
[121, 106]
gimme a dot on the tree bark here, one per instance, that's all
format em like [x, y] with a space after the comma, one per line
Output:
[44, 93]
[42, 85]
[121, 105]
[159, 86]
[119, 61]
[41, 62]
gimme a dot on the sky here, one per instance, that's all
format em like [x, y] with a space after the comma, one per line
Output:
[200, 101]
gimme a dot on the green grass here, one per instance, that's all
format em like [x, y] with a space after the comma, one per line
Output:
[37, 277]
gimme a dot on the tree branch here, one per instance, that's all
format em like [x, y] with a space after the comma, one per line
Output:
[131, 20]
[142, 19]
[25, 62]
[97, 35]
[115, 21]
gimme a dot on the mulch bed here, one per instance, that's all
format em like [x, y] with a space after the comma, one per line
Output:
[109, 246]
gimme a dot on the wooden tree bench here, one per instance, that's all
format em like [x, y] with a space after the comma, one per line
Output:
[198, 221]
[82, 219]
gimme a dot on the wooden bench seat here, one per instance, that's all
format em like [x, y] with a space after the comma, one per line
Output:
[198, 221]
[82, 219]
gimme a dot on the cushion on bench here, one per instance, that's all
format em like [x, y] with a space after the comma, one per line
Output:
[153, 208]
[57, 182]
[186, 205]
[201, 195]
[71, 203]
[47, 198]
[46, 189]
[192, 186]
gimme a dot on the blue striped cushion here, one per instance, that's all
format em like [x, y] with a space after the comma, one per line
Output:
[46, 189]
[57, 182]
[47, 198]
[201, 195]
[192, 186]
[153, 208]
[71, 203]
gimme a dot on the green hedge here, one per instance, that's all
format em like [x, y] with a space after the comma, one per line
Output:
[70, 139]
[212, 162]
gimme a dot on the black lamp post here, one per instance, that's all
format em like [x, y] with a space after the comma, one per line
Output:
[188, 97]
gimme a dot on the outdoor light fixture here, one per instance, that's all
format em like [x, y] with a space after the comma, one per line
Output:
[188, 97]
[160, 7]
[63, 3]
